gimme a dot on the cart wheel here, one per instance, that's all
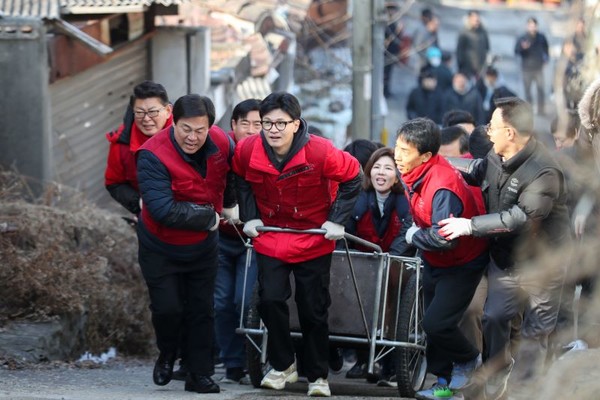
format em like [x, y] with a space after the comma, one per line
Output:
[411, 365]
[256, 369]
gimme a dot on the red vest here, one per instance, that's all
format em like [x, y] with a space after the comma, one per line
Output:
[298, 197]
[439, 174]
[187, 184]
[120, 166]
[366, 230]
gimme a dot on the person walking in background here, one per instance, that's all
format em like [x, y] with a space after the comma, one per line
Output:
[452, 269]
[232, 274]
[438, 63]
[532, 47]
[472, 47]
[184, 181]
[284, 180]
[148, 112]
[425, 35]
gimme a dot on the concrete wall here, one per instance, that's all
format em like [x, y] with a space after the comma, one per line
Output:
[25, 139]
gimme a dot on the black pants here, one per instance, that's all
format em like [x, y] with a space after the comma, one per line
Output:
[447, 292]
[530, 77]
[312, 299]
[181, 300]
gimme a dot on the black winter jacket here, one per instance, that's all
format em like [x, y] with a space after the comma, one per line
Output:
[526, 203]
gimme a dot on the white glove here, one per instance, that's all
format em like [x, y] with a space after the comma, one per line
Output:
[579, 225]
[333, 231]
[231, 215]
[453, 228]
[250, 227]
[410, 233]
[216, 225]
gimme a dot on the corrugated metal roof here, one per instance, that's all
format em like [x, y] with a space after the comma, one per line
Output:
[54, 8]
[30, 8]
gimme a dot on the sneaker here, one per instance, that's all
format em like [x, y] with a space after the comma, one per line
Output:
[319, 388]
[496, 386]
[439, 390]
[461, 372]
[277, 379]
[389, 381]
[233, 375]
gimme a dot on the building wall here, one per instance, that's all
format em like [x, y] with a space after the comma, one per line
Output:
[24, 121]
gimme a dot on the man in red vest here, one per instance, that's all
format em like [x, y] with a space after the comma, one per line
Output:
[286, 177]
[452, 268]
[148, 112]
[184, 181]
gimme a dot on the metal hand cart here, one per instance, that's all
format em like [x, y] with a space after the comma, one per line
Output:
[376, 303]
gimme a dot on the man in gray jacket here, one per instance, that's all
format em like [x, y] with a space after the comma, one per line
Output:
[527, 217]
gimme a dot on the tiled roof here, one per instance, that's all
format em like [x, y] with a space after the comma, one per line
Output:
[53, 8]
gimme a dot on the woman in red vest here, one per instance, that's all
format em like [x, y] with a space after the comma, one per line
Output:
[184, 180]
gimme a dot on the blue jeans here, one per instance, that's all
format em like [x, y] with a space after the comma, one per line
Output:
[229, 288]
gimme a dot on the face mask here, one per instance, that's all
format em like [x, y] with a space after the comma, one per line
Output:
[435, 61]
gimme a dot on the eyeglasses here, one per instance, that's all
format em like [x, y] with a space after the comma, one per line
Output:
[279, 125]
[150, 113]
[488, 128]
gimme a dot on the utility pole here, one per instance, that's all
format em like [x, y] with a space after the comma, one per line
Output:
[361, 68]
[378, 26]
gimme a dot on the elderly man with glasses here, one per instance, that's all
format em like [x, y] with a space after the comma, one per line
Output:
[527, 218]
[286, 175]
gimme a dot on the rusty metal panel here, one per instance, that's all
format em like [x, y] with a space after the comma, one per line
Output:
[83, 108]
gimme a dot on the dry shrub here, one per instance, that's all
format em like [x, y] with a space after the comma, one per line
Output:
[72, 259]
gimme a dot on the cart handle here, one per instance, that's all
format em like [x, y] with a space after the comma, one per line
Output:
[318, 231]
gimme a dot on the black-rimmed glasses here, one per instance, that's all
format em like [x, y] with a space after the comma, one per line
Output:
[279, 125]
[151, 113]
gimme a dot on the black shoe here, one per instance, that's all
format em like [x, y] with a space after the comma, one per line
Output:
[233, 375]
[358, 371]
[376, 375]
[163, 369]
[336, 360]
[201, 384]
[181, 372]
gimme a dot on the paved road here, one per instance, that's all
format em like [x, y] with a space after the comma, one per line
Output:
[132, 380]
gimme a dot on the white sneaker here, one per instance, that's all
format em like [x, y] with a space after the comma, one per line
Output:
[277, 379]
[319, 388]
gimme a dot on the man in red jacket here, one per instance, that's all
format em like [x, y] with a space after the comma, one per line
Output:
[286, 176]
[148, 112]
[452, 268]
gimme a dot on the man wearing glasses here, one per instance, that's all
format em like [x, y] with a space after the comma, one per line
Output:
[148, 113]
[285, 181]
[527, 218]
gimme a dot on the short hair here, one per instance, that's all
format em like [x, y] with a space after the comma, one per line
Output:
[422, 133]
[491, 71]
[242, 109]
[194, 105]
[377, 154]
[452, 133]
[147, 90]
[573, 125]
[362, 149]
[284, 101]
[426, 14]
[532, 19]
[472, 12]
[518, 113]
[455, 117]
[479, 142]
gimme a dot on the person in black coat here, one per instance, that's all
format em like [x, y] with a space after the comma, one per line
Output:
[463, 97]
[532, 47]
[425, 100]
[490, 89]
[472, 47]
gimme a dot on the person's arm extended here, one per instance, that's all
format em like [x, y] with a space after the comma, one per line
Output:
[445, 205]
